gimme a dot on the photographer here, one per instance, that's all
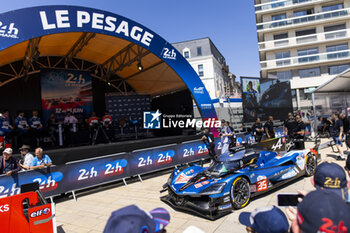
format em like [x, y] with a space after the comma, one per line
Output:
[208, 140]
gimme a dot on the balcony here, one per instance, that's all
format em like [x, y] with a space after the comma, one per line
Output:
[276, 5]
[304, 40]
[305, 60]
[296, 21]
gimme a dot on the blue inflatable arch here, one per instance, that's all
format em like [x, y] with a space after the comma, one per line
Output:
[112, 42]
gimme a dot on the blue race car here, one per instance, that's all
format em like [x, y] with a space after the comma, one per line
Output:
[231, 182]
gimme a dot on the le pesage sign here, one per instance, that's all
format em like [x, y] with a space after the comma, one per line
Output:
[97, 21]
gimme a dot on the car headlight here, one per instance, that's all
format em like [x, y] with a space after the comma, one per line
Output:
[214, 189]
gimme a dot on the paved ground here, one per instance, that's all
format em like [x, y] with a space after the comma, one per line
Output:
[93, 208]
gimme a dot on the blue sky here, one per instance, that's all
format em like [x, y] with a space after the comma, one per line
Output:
[229, 23]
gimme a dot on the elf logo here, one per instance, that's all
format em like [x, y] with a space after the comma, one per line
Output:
[40, 212]
[8, 30]
[4, 208]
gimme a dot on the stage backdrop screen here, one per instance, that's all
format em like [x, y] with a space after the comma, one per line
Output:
[271, 97]
[66, 90]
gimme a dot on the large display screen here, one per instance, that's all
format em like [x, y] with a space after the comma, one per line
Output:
[262, 98]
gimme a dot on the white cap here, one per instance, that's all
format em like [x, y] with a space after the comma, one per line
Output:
[193, 229]
[8, 151]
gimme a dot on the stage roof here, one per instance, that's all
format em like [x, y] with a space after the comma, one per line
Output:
[155, 78]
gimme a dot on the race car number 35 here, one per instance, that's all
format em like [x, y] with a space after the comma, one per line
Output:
[261, 185]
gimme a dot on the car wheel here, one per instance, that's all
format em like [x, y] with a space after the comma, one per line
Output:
[310, 164]
[240, 192]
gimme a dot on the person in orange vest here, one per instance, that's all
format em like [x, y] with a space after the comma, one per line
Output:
[107, 122]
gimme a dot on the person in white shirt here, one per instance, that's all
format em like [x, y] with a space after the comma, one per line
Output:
[27, 157]
[70, 119]
[70, 127]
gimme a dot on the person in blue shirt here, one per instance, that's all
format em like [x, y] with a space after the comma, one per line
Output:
[36, 127]
[22, 130]
[5, 126]
[40, 160]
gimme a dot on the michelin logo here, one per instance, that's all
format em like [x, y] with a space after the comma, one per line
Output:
[8, 31]
[151, 120]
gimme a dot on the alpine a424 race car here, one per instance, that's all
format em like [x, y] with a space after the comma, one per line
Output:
[231, 182]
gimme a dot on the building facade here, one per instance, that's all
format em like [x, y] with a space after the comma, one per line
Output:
[208, 62]
[211, 67]
[304, 41]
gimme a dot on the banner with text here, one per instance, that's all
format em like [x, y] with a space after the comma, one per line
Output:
[66, 90]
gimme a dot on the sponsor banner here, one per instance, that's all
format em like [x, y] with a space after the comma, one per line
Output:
[87, 173]
[66, 90]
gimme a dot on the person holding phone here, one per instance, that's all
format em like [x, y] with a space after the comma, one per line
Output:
[320, 211]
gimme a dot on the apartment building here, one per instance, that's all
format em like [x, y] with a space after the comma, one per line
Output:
[304, 41]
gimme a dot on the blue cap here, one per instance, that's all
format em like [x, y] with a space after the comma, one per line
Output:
[132, 219]
[268, 219]
[322, 211]
[332, 177]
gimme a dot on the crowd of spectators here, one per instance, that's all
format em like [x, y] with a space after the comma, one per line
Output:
[10, 165]
[34, 132]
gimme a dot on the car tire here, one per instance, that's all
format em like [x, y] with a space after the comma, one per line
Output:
[240, 192]
[310, 164]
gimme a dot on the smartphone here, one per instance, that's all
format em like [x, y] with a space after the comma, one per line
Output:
[288, 199]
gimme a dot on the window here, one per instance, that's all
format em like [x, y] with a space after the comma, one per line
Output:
[200, 70]
[199, 51]
[282, 55]
[303, 12]
[312, 72]
[278, 17]
[333, 50]
[336, 27]
[307, 52]
[333, 7]
[337, 69]
[280, 36]
[339, 31]
[284, 75]
[187, 54]
[304, 35]
[305, 32]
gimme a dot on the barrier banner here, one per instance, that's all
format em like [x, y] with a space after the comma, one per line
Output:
[66, 90]
[88, 173]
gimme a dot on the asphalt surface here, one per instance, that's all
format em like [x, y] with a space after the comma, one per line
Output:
[93, 207]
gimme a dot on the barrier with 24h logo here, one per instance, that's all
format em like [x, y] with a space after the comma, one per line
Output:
[92, 172]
